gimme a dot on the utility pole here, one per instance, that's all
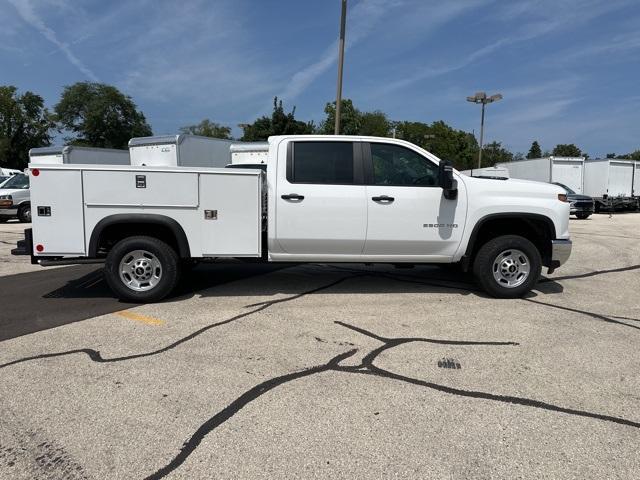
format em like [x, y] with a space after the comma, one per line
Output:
[343, 23]
[481, 97]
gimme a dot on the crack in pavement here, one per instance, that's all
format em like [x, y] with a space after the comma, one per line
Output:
[366, 367]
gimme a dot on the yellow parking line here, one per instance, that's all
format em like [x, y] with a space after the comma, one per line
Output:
[139, 318]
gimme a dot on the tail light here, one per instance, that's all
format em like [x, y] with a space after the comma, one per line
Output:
[40, 248]
[35, 172]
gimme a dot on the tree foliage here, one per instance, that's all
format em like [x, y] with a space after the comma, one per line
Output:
[456, 146]
[635, 155]
[207, 128]
[99, 115]
[350, 119]
[24, 124]
[493, 153]
[279, 123]
[567, 150]
[374, 124]
[535, 151]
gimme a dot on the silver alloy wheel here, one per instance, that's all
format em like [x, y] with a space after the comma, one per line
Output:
[511, 268]
[140, 270]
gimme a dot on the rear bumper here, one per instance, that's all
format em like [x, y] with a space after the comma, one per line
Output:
[560, 252]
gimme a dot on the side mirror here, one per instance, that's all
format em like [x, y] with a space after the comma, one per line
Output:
[447, 182]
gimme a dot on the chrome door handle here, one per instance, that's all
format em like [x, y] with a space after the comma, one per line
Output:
[383, 198]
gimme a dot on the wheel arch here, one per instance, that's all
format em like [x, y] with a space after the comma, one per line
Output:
[538, 228]
[121, 225]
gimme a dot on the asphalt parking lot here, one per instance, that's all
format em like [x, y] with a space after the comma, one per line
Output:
[325, 371]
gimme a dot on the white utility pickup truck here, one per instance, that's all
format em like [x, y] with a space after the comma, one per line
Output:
[322, 199]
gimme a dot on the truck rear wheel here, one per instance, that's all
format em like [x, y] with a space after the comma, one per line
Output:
[507, 266]
[142, 269]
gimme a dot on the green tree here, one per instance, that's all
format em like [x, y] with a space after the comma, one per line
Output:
[350, 119]
[280, 123]
[566, 150]
[456, 146]
[631, 156]
[611, 155]
[207, 128]
[374, 124]
[535, 151]
[24, 123]
[493, 153]
[414, 132]
[99, 115]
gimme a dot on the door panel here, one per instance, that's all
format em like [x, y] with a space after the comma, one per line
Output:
[330, 218]
[419, 221]
[407, 212]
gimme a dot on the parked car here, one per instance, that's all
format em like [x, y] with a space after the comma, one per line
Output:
[15, 199]
[581, 206]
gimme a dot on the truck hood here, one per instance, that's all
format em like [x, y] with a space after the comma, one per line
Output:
[11, 191]
[524, 185]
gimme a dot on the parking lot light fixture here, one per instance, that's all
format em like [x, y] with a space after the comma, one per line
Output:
[481, 97]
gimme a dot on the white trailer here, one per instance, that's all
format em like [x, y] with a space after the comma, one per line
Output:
[255, 153]
[488, 172]
[72, 154]
[610, 182]
[636, 180]
[566, 170]
[180, 151]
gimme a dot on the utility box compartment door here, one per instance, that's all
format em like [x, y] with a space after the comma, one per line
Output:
[56, 212]
[568, 173]
[230, 209]
[140, 188]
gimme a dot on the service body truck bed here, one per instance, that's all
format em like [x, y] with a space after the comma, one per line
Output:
[327, 199]
[67, 223]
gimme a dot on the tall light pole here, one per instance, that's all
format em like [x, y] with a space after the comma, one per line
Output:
[343, 23]
[481, 97]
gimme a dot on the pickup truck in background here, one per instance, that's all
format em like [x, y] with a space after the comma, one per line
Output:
[328, 199]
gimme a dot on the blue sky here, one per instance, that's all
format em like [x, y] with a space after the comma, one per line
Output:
[568, 70]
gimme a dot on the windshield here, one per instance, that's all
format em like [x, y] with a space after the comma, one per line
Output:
[564, 186]
[17, 181]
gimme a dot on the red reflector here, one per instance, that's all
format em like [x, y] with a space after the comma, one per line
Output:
[35, 172]
[39, 247]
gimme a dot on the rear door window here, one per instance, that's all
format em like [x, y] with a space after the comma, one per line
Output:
[321, 163]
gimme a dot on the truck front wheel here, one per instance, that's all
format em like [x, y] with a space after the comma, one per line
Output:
[507, 266]
[142, 269]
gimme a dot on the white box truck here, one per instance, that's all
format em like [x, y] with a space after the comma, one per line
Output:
[78, 155]
[180, 151]
[636, 181]
[329, 199]
[566, 170]
[497, 171]
[611, 183]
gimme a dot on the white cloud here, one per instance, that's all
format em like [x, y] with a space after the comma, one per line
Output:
[28, 14]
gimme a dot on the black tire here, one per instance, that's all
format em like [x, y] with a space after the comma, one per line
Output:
[583, 216]
[166, 256]
[483, 266]
[24, 213]
[4, 219]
